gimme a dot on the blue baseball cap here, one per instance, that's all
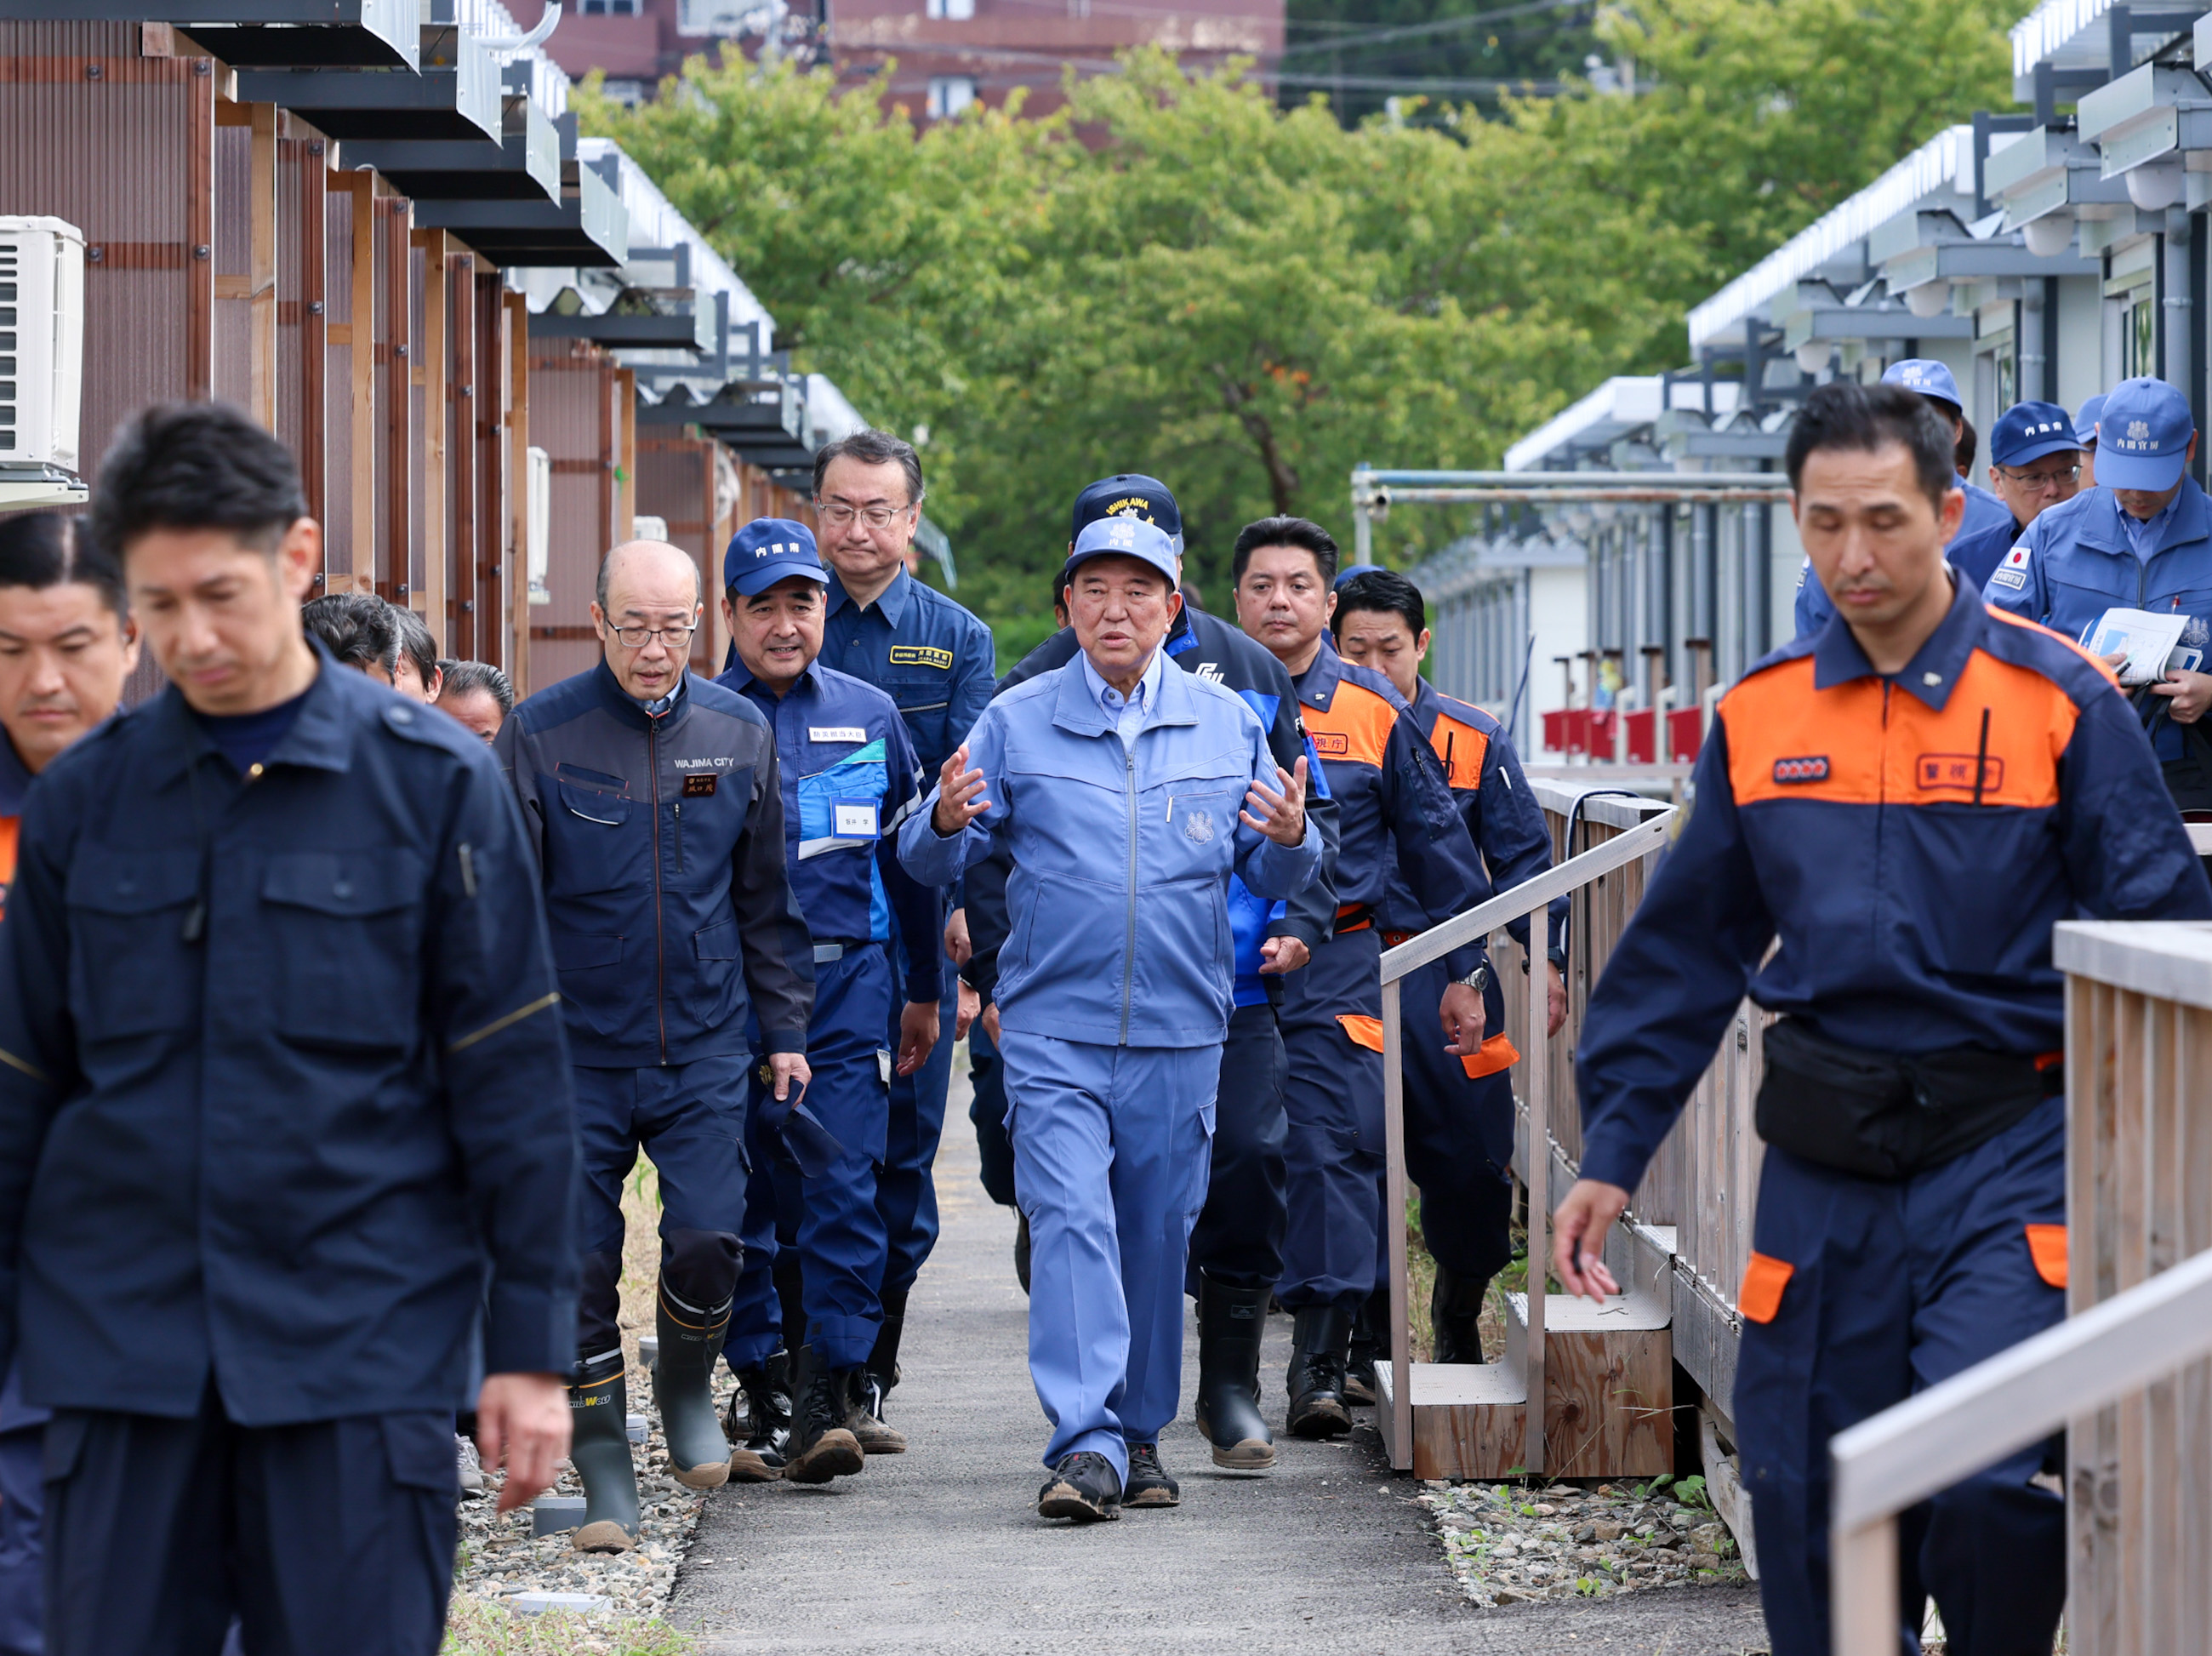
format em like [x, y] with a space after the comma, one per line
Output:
[2085, 421]
[2028, 431]
[770, 550]
[1928, 377]
[1130, 493]
[1350, 570]
[2144, 430]
[1122, 536]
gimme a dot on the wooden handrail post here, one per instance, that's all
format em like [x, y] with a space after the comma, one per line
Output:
[1862, 1604]
[1538, 1060]
[1394, 1217]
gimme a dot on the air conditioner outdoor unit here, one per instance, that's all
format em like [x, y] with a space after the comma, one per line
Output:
[41, 343]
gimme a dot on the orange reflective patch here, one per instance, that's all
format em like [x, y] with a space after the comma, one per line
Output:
[1357, 724]
[2046, 1245]
[1461, 749]
[1759, 1298]
[1789, 740]
[1497, 1053]
[1364, 1031]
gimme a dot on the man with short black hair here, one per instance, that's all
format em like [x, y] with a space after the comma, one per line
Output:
[654, 800]
[286, 1137]
[934, 660]
[1394, 813]
[476, 693]
[360, 630]
[1906, 803]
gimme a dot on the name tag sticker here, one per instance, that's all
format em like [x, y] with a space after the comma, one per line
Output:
[920, 655]
[2013, 578]
[836, 734]
[852, 818]
[699, 785]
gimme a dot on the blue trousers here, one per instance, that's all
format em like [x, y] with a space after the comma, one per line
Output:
[690, 1120]
[1238, 1239]
[1111, 1157]
[906, 1188]
[332, 1538]
[1892, 1286]
[831, 1220]
[1333, 1102]
[1459, 1137]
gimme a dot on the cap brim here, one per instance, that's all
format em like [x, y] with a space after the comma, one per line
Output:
[754, 583]
[2040, 448]
[2117, 469]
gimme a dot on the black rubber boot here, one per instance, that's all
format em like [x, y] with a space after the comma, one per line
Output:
[766, 1440]
[821, 1446]
[1370, 1338]
[1455, 1314]
[599, 1418]
[1232, 1323]
[683, 1388]
[1320, 1336]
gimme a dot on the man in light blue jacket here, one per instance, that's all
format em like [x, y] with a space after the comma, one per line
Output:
[1127, 796]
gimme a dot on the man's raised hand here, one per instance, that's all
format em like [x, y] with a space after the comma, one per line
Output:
[960, 794]
[1281, 817]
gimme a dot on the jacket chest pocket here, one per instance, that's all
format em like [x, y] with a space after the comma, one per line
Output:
[596, 841]
[1187, 824]
[924, 697]
[131, 970]
[345, 945]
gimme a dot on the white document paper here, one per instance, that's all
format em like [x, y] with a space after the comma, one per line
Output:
[2152, 639]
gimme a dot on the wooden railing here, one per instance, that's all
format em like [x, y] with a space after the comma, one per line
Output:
[2127, 1374]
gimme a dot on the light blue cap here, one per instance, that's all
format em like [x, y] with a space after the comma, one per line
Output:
[2144, 435]
[1124, 537]
[1928, 377]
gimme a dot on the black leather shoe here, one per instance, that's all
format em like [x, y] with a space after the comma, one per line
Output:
[1082, 1488]
[1149, 1484]
[763, 1432]
[1370, 1338]
[1454, 1316]
[1315, 1380]
[1230, 1324]
[821, 1446]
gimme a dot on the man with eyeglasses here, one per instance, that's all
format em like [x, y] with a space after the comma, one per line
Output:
[2035, 463]
[654, 800]
[935, 660]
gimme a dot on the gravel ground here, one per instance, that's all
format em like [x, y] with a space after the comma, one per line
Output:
[1509, 1544]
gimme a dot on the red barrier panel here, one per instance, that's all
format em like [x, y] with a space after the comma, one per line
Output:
[1599, 741]
[1686, 734]
[1644, 736]
[1555, 731]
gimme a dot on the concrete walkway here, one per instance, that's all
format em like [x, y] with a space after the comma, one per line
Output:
[940, 1549]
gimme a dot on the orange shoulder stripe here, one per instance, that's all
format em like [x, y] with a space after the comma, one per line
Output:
[1356, 724]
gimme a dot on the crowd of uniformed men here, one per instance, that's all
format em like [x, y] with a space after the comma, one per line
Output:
[336, 1006]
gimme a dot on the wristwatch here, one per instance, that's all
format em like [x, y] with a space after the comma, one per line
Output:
[1477, 980]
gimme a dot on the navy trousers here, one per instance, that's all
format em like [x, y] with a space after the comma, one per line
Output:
[1238, 1239]
[22, 1499]
[988, 1110]
[690, 1120]
[1111, 1157]
[834, 1221]
[1864, 1292]
[333, 1538]
[906, 1188]
[1459, 1137]
[1333, 1099]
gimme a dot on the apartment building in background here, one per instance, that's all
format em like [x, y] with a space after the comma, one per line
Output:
[946, 54]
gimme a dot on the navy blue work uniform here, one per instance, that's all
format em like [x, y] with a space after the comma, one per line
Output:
[1913, 886]
[934, 660]
[1395, 814]
[660, 839]
[1239, 1236]
[849, 779]
[2082, 558]
[22, 1497]
[287, 1150]
[1459, 1111]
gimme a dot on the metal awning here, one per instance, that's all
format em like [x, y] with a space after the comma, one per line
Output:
[458, 99]
[1915, 249]
[522, 163]
[586, 226]
[2146, 116]
[270, 33]
[2043, 171]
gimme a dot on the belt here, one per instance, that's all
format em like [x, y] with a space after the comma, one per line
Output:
[825, 953]
[1392, 939]
[1354, 916]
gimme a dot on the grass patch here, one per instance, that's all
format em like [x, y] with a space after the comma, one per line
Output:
[475, 1626]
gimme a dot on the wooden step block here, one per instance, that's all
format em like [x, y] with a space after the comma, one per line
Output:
[1469, 1419]
[1608, 1383]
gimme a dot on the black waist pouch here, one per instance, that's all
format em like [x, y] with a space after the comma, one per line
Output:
[1885, 1115]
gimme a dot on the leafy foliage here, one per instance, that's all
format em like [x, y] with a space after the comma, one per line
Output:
[1172, 274]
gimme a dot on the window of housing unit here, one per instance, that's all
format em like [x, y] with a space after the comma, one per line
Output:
[949, 95]
[950, 11]
[2131, 319]
[713, 16]
[609, 8]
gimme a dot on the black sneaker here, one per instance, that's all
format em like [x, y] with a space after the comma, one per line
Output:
[1083, 1487]
[1149, 1484]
